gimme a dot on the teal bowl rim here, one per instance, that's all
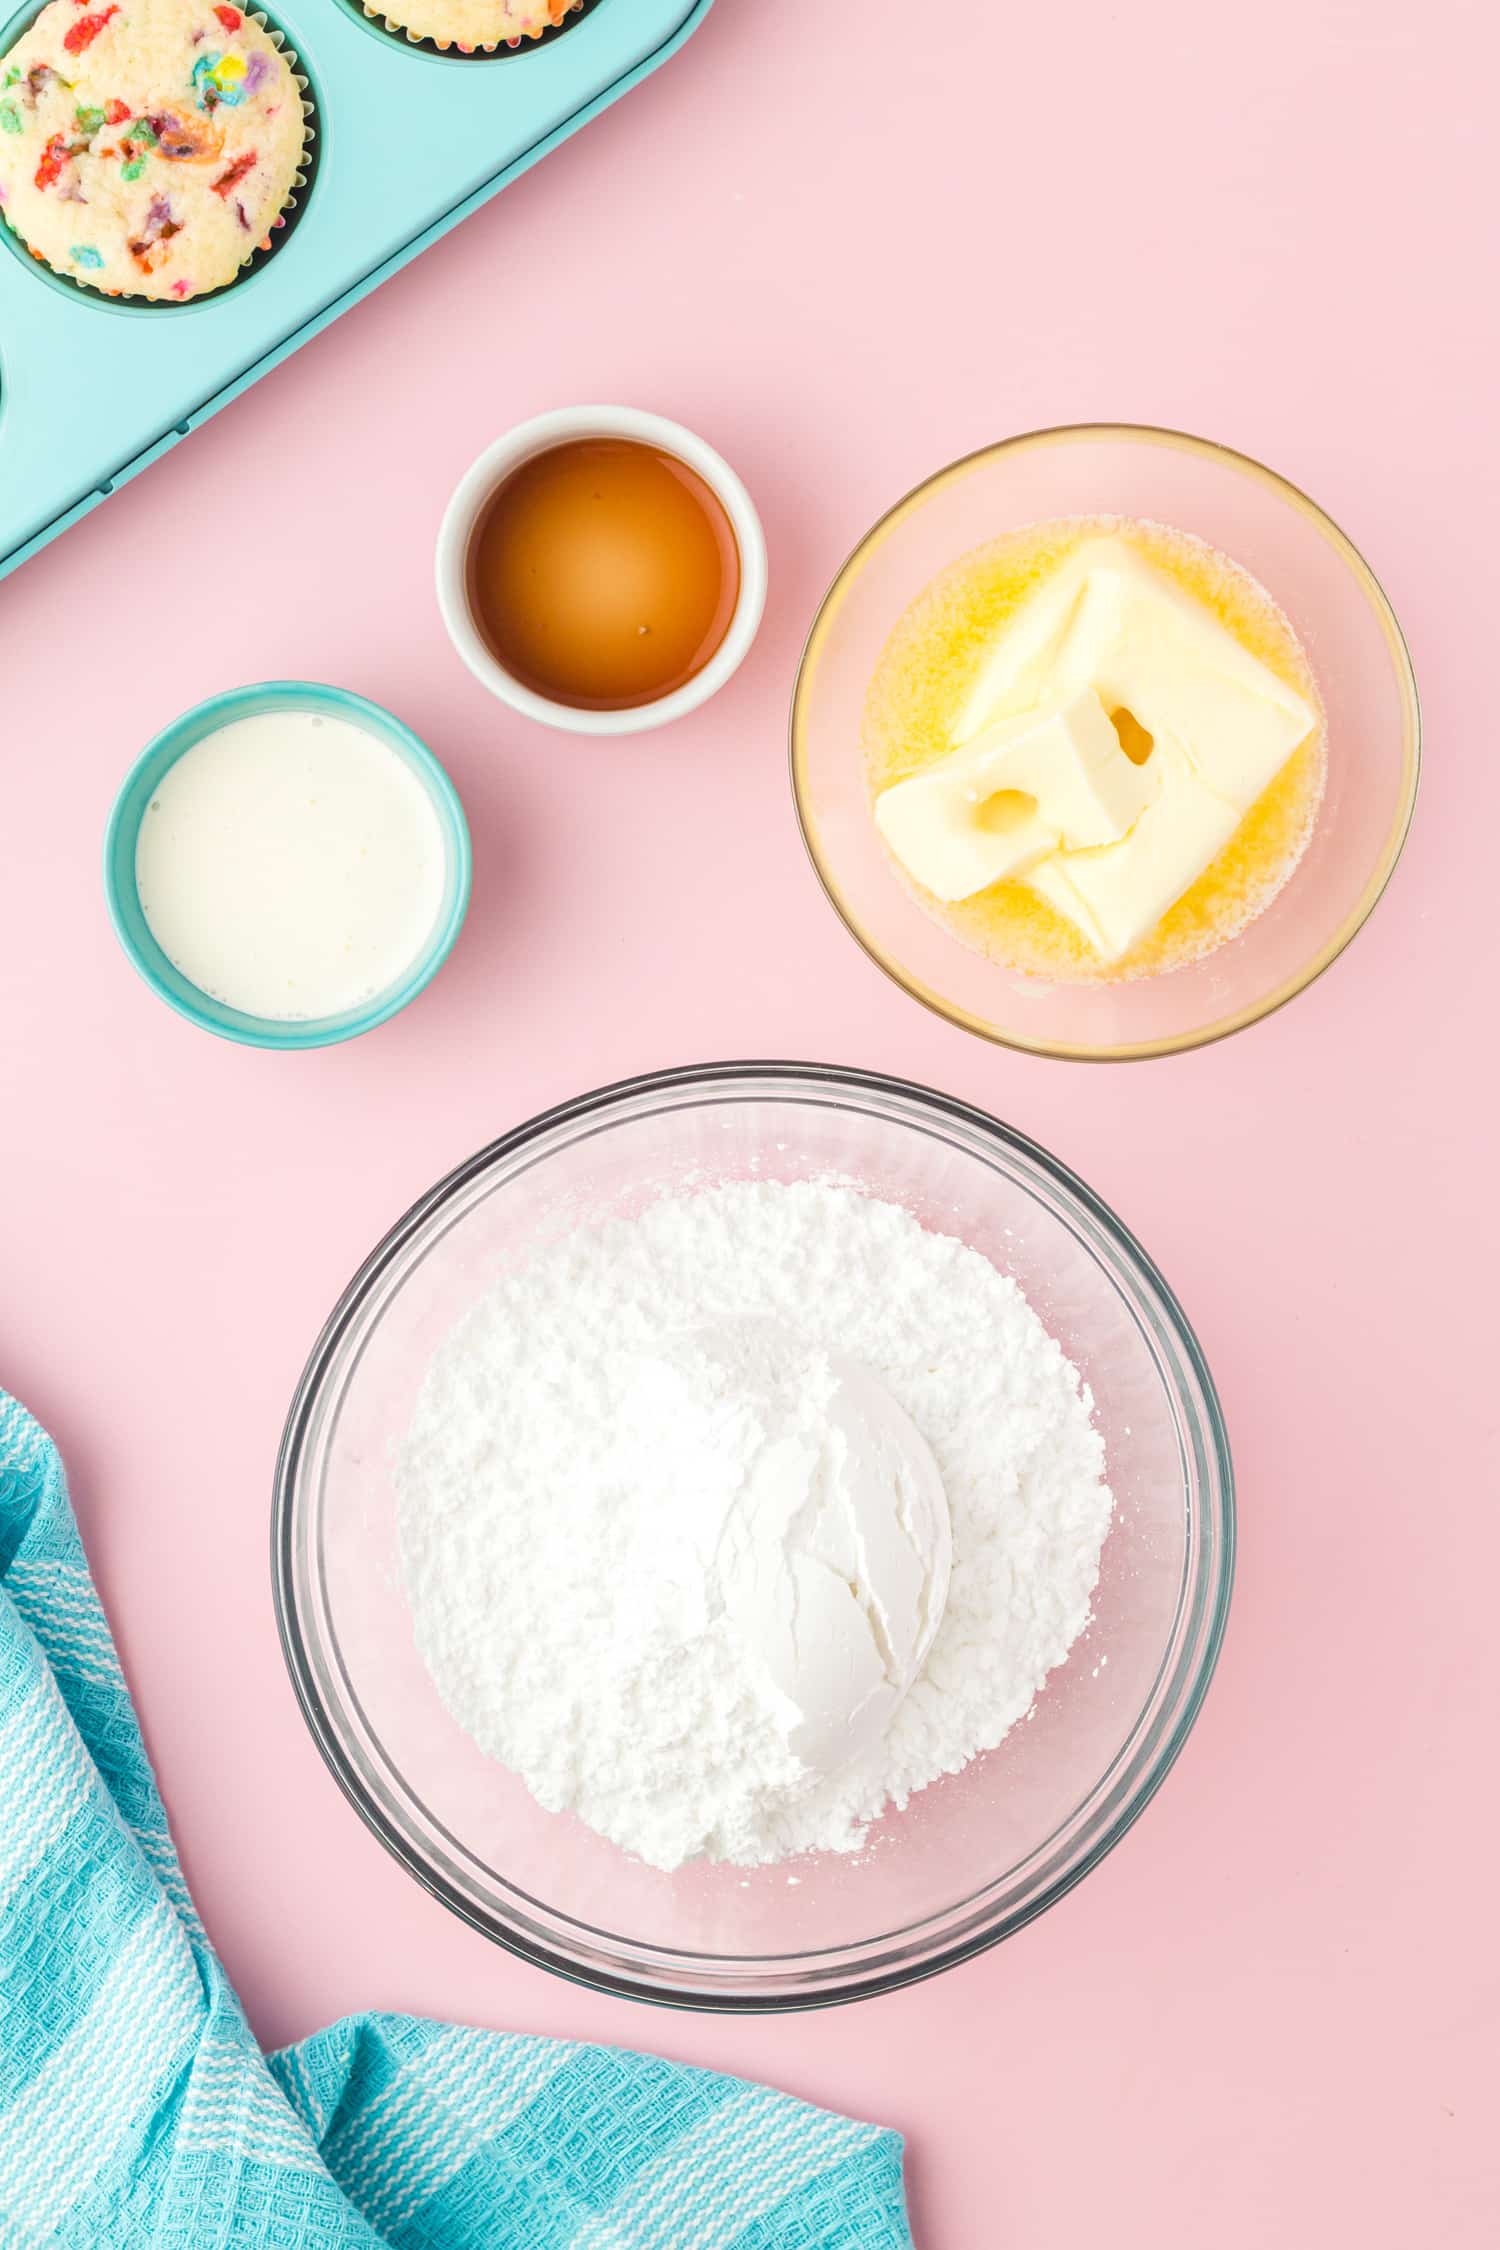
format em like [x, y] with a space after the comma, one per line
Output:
[134, 932]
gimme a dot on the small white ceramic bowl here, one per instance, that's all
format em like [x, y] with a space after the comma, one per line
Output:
[563, 427]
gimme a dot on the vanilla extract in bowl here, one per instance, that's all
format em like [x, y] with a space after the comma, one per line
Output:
[603, 574]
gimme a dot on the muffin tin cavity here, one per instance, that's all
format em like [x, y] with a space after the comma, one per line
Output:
[415, 43]
[395, 159]
[80, 292]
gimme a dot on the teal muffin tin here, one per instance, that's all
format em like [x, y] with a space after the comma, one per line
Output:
[130, 809]
[93, 389]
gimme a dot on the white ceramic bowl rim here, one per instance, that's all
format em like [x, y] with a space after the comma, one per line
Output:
[561, 427]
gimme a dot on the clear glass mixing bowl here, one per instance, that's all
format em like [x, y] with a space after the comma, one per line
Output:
[972, 1858]
[1344, 622]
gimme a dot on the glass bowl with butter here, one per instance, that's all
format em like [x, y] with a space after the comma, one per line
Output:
[1105, 742]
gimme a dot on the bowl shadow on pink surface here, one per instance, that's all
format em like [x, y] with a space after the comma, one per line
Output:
[510, 870]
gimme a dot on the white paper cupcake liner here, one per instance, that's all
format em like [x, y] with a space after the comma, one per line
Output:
[259, 251]
[430, 42]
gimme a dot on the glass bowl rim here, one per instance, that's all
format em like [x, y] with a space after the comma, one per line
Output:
[1208, 449]
[1206, 1591]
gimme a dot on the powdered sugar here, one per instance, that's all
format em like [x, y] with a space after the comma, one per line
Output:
[560, 1593]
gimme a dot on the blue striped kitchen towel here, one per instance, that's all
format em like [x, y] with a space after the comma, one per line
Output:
[136, 2108]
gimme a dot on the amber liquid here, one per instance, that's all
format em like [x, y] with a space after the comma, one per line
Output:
[604, 574]
[930, 664]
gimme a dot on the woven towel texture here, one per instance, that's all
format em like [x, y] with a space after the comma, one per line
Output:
[136, 2108]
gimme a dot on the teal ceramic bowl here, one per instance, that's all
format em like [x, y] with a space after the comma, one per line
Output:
[141, 784]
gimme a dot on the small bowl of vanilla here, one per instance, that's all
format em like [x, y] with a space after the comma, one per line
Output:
[1105, 742]
[287, 865]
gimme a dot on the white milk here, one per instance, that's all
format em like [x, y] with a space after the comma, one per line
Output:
[291, 865]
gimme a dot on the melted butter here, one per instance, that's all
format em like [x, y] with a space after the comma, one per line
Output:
[932, 661]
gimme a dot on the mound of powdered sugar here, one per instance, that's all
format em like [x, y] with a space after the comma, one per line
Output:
[557, 1604]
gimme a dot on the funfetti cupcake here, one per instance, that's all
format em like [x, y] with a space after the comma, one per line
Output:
[474, 26]
[148, 147]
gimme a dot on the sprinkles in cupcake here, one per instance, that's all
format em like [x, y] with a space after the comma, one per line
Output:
[147, 148]
[473, 25]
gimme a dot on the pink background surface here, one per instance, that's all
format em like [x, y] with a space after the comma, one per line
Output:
[846, 252]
